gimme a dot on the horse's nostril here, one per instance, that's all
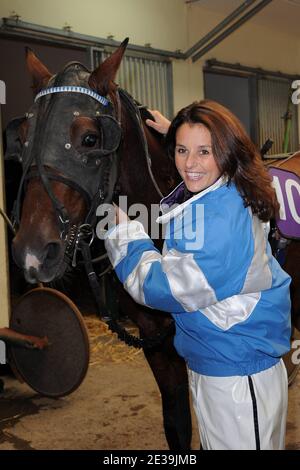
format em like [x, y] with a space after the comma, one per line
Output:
[33, 273]
[52, 251]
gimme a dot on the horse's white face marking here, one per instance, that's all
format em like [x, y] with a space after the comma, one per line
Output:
[31, 261]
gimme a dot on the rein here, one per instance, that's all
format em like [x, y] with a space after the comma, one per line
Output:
[103, 311]
[135, 114]
[80, 238]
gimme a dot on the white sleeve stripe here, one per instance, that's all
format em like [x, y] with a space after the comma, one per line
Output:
[116, 242]
[259, 276]
[135, 281]
[228, 312]
[187, 282]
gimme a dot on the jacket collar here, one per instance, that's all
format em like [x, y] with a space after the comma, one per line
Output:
[170, 207]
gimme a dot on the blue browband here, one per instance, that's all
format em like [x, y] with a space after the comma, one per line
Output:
[73, 89]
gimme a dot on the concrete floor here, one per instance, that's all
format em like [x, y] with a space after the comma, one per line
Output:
[116, 407]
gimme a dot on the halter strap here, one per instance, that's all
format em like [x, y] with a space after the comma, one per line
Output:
[73, 89]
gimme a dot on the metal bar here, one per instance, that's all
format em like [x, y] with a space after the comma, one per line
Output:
[158, 86]
[8, 25]
[26, 341]
[231, 29]
[136, 79]
[152, 86]
[238, 11]
[170, 94]
[91, 58]
[7, 221]
[41, 38]
[120, 78]
[215, 63]
[253, 102]
[128, 83]
[279, 156]
[4, 273]
[139, 67]
[95, 52]
[161, 88]
[147, 85]
[142, 72]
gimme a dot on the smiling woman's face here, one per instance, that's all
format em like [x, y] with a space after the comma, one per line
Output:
[194, 159]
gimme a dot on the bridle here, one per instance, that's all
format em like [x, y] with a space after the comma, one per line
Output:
[33, 166]
[80, 237]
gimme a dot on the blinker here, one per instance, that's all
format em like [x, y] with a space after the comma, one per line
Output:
[51, 152]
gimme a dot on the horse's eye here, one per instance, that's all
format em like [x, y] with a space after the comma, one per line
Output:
[89, 140]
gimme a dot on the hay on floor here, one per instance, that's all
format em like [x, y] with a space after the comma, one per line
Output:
[105, 345]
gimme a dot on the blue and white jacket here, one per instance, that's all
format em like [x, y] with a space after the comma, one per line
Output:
[217, 277]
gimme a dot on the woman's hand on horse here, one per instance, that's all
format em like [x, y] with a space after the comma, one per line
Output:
[161, 124]
[121, 216]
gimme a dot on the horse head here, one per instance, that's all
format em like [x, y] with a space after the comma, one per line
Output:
[80, 144]
[67, 144]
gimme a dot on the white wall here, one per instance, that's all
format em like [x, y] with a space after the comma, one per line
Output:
[171, 25]
[252, 44]
[159, 22]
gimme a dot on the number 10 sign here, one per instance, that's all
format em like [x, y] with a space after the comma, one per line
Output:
[287, 186]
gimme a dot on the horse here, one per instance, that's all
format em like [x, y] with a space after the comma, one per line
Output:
[285, 243]
[83, 143]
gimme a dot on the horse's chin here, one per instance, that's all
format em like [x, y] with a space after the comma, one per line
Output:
[36, 276]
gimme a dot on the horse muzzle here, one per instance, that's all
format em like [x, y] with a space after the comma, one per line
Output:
[42, 264]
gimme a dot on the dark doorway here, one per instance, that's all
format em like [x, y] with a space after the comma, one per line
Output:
[234, 92]
[14, 73]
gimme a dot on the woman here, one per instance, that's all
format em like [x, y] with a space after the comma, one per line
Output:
[217, 276]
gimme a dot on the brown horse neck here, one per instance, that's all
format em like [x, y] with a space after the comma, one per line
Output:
[135, 179]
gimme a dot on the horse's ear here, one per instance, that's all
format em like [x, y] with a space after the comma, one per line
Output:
[39, 72]
[101, 79]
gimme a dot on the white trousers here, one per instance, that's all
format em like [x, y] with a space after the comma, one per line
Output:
[241, 412]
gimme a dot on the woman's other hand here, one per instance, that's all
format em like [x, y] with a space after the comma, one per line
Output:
[161, 124]
[121, 216]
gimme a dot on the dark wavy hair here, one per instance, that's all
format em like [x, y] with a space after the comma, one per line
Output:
[235, 154]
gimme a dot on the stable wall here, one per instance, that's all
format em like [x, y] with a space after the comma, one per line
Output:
[169, 25]
[162, 23]
[256, 44]
[173, 25]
